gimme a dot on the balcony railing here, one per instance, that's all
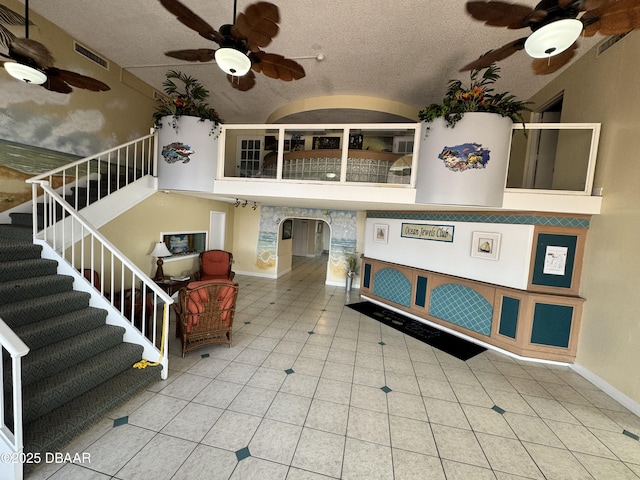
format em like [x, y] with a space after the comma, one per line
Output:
[544, 157]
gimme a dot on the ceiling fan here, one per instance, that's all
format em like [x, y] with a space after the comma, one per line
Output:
[240, 44]
[31, 62]
[556, 26]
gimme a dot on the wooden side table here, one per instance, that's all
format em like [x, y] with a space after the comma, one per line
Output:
[171, 286]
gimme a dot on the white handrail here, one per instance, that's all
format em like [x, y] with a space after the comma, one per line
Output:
[12, 436]
[131, 292]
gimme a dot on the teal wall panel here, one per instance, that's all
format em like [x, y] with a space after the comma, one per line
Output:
[509, 317]
[545, 240]
[462, 306]
[421, 291]
[392, 285]
[551, 324]
[366, 281]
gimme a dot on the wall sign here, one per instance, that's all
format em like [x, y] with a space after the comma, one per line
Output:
[438, 233]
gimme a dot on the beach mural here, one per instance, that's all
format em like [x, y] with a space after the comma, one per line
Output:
[41, 129]
[344, 235]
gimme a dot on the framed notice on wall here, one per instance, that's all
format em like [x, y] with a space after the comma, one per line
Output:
[554, 260]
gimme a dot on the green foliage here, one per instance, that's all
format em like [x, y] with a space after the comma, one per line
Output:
[477, 97]
[352, 264]
[186, 96]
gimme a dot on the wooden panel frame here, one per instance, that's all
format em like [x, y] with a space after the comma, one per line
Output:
[581, 235]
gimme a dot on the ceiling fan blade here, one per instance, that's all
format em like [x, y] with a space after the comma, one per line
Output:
[503, 14]
[193, 55]
[77, 80]
[191, 20]
[613, 18]
[545, 66]
[258, 25]
[496, 55]
[55, 83]
[30, 52]
[243, 83]
[276, 66]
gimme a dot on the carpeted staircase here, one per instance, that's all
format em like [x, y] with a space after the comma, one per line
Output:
[78, 367]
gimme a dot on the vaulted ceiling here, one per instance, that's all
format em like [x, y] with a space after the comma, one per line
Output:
[403, 52]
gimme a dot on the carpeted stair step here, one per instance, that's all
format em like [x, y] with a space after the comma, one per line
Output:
[52, 330]
[53, 358]
[16, 232]
[51, 392]
[29, 268]
[25, 219]
[51, 432]
[37, 309]
[14, 249]
[28, 288]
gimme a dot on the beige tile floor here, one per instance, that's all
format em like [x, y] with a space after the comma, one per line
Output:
[299, 397]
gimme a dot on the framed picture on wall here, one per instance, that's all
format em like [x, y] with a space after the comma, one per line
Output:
[485, 245]
[381, 233]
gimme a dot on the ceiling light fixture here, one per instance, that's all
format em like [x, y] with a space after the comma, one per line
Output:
[25, 73]
[553, 38]
[232, 61]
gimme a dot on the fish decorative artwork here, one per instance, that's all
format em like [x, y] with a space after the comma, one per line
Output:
[464, 157]
[176, 152]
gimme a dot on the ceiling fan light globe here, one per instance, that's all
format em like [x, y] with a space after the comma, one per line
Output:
[232, 61]
[25, 73]
[553, 38]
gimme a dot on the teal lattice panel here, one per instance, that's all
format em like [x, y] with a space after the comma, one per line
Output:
[463, 306]
[393, 285]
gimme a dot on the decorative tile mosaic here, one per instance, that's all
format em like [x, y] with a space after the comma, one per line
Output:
[463, 306]
[548, 220]
[392, 285]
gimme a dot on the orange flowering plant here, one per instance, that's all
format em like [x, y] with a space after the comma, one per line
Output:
[187, 99]
[477, 97]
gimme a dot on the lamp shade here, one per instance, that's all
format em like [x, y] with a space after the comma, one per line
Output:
[232, 61]
[160, 250]
[25, 73]
[553, 38]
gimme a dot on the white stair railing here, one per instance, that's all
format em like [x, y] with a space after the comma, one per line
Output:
[120, 166]
[11, 434]
[132, 298]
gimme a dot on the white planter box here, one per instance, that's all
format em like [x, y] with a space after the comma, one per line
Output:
[464, 165]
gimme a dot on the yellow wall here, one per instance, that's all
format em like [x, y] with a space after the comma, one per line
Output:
[604, 89]
[135, 231]
[246, 227]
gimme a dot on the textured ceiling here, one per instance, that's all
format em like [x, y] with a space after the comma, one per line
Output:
[404, 51]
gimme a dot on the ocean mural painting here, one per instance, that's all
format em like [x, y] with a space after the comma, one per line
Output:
[344, 233]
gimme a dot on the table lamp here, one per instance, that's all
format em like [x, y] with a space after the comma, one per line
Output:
[160, 250]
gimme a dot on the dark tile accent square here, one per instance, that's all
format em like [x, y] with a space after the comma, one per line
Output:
[289, 371]
[385, 389]
[120, 421]
[630, 435]
[247, 323]
[311, 332]
[496, 408]
[381, 343]
[205, 355]
[243, 453]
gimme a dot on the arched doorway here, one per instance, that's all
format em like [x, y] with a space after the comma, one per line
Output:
[301, 241]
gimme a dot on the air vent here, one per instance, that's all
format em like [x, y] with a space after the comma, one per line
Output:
[610, 42]
[94, 57]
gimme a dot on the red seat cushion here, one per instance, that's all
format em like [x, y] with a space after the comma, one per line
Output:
[198, 297]
[215, 264]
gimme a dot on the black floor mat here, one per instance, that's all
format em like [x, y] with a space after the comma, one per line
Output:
[444, 341]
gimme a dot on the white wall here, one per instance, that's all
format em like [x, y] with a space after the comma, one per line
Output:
[454, 258]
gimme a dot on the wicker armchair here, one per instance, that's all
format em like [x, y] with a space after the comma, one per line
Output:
[204, 313]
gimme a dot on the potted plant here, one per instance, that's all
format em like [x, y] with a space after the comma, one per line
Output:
[187, 135]
[352, 267]
[467, 165]
[189, 98]
[477, 97]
